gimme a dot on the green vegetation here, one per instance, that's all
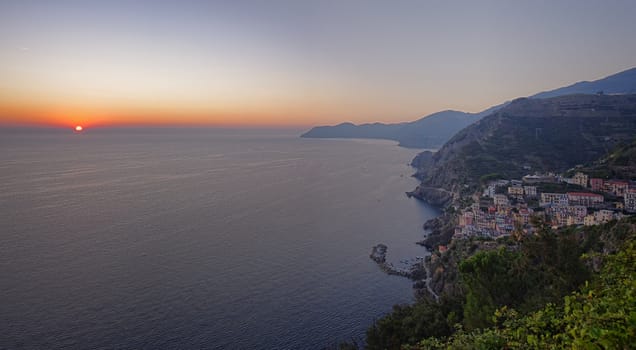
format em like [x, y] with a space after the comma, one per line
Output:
[484, 179]
[619, 164]
[600, 315]
[520, 295]
[571, 288]
[408, 324]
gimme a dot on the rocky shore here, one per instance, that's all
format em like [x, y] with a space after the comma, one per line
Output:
[431, 274]
[413, 270]
[441, 230]
[438, 197]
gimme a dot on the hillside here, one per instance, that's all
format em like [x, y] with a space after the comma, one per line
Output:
[434, 130]
[527, 136]
[620, 83]
[599, 315]
[619, 164]
[556, 288]
[518, 294]
[428, 132]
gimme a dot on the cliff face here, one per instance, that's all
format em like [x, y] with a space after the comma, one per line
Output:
[529, 135]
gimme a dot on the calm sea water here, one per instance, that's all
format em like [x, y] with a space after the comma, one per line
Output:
[133, 239]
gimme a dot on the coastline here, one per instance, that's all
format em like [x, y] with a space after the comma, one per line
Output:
[428, 280]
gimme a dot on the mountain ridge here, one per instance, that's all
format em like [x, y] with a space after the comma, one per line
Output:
[430, 131]
[433, 130]
[623, 82]
[523, 138]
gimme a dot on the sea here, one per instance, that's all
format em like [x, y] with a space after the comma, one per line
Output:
[199, 238]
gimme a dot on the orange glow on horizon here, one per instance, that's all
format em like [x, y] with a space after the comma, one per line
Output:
[79, 107]
[68, 110]
[79, 128]
[72, 116]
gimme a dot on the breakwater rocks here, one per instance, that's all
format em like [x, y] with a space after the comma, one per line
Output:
[378, 253]
[413, 268]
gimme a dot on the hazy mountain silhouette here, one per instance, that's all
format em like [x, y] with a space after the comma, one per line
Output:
[435, 129]
[620, 83]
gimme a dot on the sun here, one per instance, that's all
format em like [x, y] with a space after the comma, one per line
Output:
[79, 128]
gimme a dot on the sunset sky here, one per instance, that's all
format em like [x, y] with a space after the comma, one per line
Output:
[297, 63]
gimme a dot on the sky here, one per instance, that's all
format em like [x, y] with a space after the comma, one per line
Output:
[295, 63]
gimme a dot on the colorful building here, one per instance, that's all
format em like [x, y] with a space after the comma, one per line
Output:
[559, 199]
[580, 179]
[585, 198]
[597, 184]
[630, 200]
[617, 187]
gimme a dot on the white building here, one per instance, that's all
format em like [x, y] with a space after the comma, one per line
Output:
[603, 216]
[530, 191]
[580, 179]
[501, 200]
[558, 199]
[515, 191]
[490, 191]
[583, 198]
[630, 200]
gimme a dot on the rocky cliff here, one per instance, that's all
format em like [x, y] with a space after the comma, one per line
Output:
[528, 135]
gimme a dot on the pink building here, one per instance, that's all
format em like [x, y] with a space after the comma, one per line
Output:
[596, 184]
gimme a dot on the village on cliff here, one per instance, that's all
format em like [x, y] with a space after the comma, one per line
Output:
[508, 206]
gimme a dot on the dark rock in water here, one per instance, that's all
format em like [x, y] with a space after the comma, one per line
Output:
[378, 253]
[415, 270]
[413, 194]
